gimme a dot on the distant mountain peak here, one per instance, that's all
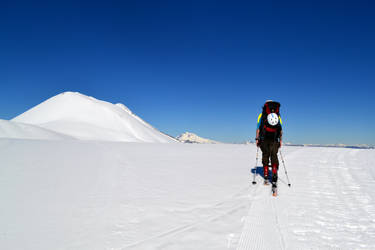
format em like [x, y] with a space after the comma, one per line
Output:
[189, 137]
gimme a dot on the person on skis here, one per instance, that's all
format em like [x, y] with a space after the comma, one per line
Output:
[269, 138]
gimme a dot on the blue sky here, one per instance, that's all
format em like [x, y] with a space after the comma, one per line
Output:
[200, 66]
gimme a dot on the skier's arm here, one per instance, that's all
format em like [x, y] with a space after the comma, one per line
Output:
[257, 137]
[281, 133]
[258, 130]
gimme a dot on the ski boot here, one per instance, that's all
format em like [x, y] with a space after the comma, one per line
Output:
[266, 181]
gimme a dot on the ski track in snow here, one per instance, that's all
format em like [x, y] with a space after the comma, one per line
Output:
[261, 224]
[239, 205]
[328, 207]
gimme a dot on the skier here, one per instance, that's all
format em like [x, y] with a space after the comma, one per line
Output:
[269, 139]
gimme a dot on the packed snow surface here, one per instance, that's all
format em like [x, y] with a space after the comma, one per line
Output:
[87, 118]
[72, 194]
[193, 138]
[18, 130]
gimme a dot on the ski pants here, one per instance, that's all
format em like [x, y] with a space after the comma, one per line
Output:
[269, 150]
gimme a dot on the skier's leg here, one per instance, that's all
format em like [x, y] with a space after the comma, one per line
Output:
[265, 147]
[274, 160]
[274, 148]
[274, 172]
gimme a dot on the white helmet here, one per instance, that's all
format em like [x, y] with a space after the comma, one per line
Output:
[273, 119]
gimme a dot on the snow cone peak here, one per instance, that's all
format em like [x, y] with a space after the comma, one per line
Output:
[85, 117]
[71, 94]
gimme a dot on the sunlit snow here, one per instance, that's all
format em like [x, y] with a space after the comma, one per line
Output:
[78, 174]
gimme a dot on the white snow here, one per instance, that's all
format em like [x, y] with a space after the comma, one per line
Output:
[111, 190]
[87, 118]
[72, 194]
[18, 130]
[188, 137]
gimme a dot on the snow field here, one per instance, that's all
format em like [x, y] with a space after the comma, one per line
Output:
[72, 194]
[97, 195]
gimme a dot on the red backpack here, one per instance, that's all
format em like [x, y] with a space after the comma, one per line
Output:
[267, 130]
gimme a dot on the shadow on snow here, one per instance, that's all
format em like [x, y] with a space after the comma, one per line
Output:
[259, 171]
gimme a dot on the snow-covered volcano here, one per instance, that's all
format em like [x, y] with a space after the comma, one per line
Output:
[84, 117]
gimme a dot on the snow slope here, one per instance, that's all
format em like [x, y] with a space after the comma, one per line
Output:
[193, 138]
[87, 118]
[17, 130]
[73, 194]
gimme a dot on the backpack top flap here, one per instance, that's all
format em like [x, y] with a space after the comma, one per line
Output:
[271, 107]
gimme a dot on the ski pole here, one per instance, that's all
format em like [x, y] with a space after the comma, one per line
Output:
[286, 173]
[256, 163]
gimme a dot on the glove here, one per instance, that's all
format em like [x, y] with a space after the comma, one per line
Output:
[257, 142]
